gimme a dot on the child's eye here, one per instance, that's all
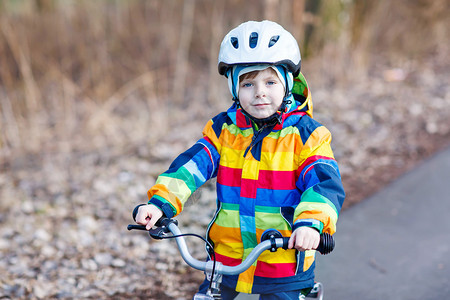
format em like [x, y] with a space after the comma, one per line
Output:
[246, 84]
[271, 82]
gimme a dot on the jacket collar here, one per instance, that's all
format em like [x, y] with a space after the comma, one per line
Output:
[240, 119]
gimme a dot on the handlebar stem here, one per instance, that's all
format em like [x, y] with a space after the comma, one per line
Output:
[217, 270]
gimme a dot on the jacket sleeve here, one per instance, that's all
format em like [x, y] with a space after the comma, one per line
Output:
[186, 174]
[320, 183]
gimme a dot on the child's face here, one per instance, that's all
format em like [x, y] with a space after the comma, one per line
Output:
[261, 95]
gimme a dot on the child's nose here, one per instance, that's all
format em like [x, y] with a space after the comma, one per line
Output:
[260, 91]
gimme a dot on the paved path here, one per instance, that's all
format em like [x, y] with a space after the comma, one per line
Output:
[396, 244]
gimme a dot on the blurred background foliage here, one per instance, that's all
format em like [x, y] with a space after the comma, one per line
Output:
[97, 97]
[74, 71]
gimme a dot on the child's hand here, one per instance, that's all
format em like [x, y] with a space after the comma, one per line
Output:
[148, 215]
[304, 238]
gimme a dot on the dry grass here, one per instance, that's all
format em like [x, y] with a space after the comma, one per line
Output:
[119, 75]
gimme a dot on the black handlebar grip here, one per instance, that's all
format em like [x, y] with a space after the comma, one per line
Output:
[136, 227]
[285, 243]
[326, 244]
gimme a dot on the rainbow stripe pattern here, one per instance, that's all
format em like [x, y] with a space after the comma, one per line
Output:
[286, 180]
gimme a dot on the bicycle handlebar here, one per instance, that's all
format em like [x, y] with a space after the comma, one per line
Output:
[271, 240]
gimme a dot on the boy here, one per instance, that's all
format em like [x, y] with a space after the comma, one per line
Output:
[273, 163]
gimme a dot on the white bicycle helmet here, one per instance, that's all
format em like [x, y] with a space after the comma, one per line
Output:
[264, 42]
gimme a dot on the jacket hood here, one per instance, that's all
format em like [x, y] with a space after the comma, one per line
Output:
[302, 95]
[301, 104]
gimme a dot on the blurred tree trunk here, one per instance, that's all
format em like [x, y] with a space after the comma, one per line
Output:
[360, 12]
[44, 5]
[216, 37]
[181, 65]
[271, 9]
[21, 53]
[298, 12]
[361, 33]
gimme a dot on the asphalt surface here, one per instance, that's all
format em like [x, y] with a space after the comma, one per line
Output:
[395, 244]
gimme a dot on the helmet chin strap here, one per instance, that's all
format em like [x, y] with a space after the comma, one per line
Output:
[276, 118]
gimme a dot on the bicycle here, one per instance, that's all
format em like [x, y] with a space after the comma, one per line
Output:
[271, 240]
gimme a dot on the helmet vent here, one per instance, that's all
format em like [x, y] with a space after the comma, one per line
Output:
[253, 39]
[273, 40]
[235, 42]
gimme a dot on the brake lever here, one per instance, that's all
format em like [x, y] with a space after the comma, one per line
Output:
[158, 233]
[161, 229]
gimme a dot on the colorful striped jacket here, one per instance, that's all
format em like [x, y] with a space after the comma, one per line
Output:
[286, 179]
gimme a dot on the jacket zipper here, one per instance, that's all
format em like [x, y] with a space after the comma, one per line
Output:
[255, 136]
[208, 251]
